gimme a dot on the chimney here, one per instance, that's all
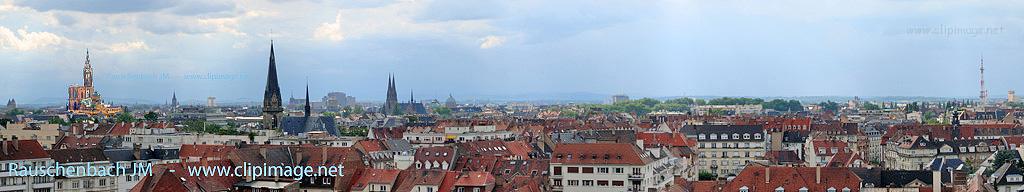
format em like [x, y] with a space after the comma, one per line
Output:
[263, 151]
[323, 155]
[767, 174]
[14, 142]
[817, 174]
[937, 180]
[298, 156]
[3, 144]
[137, 151]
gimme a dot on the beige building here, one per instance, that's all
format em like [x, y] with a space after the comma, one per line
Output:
[46, 134]
[597, 167]
[726, 149]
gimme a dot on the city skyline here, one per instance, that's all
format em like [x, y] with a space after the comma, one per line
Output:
[669, 49]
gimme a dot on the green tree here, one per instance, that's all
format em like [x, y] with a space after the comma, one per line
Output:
[124, 118]
[706, 176]
[783, 105]
[59, 121]
[829, 106]
[150, 116]
[15, 112]
[735, 101]
[443, 111]
[1003, 157]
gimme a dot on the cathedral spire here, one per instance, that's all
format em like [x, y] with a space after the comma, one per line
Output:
[307, 108]
[87, 71]
[272, 95]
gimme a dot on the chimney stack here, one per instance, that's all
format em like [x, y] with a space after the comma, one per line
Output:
[263, 151]
[767, 174]
[937, 180]
[3, 144]
[323, 155]
[137, 151]
[14, 142]
[817, 174]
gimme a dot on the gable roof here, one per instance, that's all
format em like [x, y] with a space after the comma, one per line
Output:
[25, 149]
[600, 153]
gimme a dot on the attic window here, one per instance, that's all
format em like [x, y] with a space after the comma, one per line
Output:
[780, 189]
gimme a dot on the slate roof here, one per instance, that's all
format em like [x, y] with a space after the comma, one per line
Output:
[695, 130]
[78, 155]
[297, 125]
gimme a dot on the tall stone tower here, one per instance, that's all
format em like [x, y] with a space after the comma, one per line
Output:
[391, 103]
[174, 99]
[87, 71]
[272, 96]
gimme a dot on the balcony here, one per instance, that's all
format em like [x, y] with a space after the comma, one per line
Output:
[636, 176]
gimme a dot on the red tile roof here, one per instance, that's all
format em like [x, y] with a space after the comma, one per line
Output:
[21, 150]
[375, 176]
[600, 153]
[664, 139]
[761, 178]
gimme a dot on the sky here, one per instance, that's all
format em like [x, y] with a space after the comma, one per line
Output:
[487, 48]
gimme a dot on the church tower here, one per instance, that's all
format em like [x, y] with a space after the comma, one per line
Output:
[87, 71]
[174, 99]
[391, 103]
[272, 96]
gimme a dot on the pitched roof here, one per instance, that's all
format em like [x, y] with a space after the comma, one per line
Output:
[375, 176]
[25, 149]
[600, 153]
[78, 155]
[409, 179]
[762, 178]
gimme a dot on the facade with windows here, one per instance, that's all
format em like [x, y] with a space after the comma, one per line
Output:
[726, 149]
[609, 167]
[26, 153]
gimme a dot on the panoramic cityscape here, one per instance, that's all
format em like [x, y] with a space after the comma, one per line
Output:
[511, 96]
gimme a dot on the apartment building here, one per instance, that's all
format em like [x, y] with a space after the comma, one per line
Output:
[726, 149]
[615, 167]
[27, 153]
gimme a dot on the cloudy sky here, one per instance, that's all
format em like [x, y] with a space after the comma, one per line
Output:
[486, 48]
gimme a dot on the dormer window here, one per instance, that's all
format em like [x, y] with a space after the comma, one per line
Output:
[1014, 178]
[725, 136]
[744, 189]
[701, 136]
[735, 136]
[803, 189]
[713, 136]
[746, 136]
[757, 136]
[780, 189]
[831, 189]
[846, 189]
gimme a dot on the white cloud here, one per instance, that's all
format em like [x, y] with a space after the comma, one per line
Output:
[129, 46]
[330, 31]
[491, 41]
[25, 40]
